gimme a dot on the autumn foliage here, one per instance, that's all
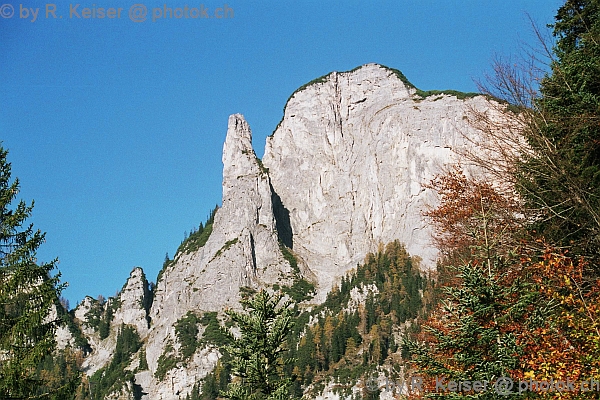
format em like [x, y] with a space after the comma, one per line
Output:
[522, 258]
[473, 218]
[507, 310]
[567, 344]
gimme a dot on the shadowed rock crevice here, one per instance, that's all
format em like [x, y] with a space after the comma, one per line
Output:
[282, 220]
[138, 392]
[253, 253]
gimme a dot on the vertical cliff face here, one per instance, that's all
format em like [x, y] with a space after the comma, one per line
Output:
[344, 171]
[349, 161]
[242, 251]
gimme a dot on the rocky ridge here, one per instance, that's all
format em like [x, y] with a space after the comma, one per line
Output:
[343, 172]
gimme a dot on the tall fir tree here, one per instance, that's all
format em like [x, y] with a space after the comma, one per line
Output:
[257, 352]
[28, 292]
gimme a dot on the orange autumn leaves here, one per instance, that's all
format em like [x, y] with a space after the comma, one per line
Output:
[568, 345]
[472, 217]
[557, 330]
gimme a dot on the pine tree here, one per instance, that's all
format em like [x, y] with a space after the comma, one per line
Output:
[27, 294]
[474, 336]
[257, 353]
[474, 333]
[561, 176]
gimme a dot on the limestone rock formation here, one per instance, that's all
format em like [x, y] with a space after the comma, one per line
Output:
[343, 172]
[134, 303]
[349, 161]
[129, 307]
[242, 251]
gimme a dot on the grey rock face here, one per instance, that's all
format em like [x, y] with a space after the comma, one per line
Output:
[243, 250]
[133, 301]
[130, 308]
[344, 171]
[349, 161]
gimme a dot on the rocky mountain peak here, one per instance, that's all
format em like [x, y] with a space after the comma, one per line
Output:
[370, 82]
[350, 159]
[134, 303]
[238, 155]
[345, 171]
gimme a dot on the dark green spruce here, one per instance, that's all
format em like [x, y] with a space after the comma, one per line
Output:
[27, 293]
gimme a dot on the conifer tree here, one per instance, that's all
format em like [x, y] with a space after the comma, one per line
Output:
[27, 294]
[257, 352]
[474, 333]
[560, 176]
[474, 336]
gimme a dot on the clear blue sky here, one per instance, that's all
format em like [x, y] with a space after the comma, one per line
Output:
[116, 127]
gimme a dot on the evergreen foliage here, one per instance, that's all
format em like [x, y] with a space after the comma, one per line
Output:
[68, 319]
[101, 314]
[191, 243]
[188, 335]
[27, 294]
[301, 289]
[257, 351]
[143, 365]
[214, 383]
[475, 336]
[114, 376]
[104, 322]
[347, 342]
[561, 177]
[524, 302]
[60, 374]
[198, 238]
[166, 362]
[186, 329]
[213, 335]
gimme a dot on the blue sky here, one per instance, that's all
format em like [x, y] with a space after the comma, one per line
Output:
[116, 127]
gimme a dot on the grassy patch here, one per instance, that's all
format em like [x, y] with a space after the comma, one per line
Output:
[427, 93]
[225, 247]
[301, 289]
[263, 170]
[459, 95]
